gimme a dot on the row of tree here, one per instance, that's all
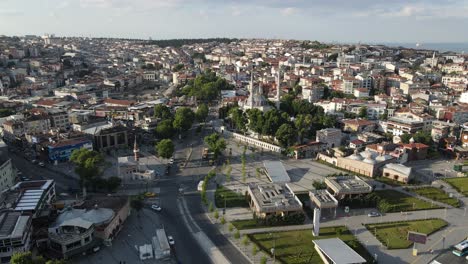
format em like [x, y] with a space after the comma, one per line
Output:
[206, 87]
[297, 119]
[27, 258]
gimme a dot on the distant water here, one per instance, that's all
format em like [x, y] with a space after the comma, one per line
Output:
[442, 47]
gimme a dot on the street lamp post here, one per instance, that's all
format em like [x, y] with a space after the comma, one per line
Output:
[272, 250]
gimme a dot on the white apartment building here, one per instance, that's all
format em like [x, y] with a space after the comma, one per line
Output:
[364, 81]
[312, 94]
[349, 84]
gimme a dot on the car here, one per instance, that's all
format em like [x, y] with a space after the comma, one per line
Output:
[171, 240]
[96, 249]
[157, 208]
[41, 164]
[438, 175]
[373, 214]
[34, 161]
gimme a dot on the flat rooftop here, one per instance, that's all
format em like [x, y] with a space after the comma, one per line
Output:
[12, 224]
[348, 185]
[323, 199]
[271, 197]
[337, 251]
[276, 171]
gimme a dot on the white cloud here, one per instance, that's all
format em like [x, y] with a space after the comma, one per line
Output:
[288, 11]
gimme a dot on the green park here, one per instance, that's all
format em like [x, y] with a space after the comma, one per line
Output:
[394, 234]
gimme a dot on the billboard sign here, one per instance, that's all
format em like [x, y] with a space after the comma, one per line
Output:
[416, 237]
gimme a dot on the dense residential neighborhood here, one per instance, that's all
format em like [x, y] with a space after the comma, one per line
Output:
[231, 151]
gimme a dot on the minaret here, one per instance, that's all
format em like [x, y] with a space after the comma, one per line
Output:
[136, 150]
[251, 97]
[278, 89]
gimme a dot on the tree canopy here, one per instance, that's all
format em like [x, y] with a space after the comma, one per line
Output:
[202, 112]
[88, 164]
[165, 129]
[165, 148]
[206, 86]
[27, 258]
[162, 111]
[285, 135]
[183, 119]
[216, 144]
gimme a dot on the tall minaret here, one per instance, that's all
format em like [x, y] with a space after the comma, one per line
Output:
[251, 96]
[136, 150]
[278, 88]
[433, 62]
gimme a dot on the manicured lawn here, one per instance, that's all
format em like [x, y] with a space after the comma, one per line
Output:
[436, 194]
[251, 224]
[389, 181]
[394, 235]
[245, 224]
[400, 202]
[460, 184]
[294, 247]
[233, 199]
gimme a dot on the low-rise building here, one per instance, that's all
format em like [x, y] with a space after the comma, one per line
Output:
[330, 136]
[397, 172]
[308, 150]
[272, 199]
[347, 186]
[62, 150]
[15, 234]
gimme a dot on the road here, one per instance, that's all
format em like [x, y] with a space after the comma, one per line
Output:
[63, 182]
[188, 177]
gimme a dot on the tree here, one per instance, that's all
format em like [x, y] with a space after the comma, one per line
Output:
[56, 261]
[165, 129]
[263, 260]
[137, 204]
[21, 258]
[183, 119]
[178, 67]
[215, 144]
[384, 116]
[202, 112]
[256, 120]
[113, 183]
[254, 250]
[285, 135]
[87, 166]
[405, 138]
[238, 118]
[303, 124]
[363, 112]
[165, 148]
[162, 111]
[272, 121]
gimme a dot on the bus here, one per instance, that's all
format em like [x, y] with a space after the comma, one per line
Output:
[461, 249]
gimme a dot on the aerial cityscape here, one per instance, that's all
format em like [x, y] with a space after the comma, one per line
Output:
[204, 142]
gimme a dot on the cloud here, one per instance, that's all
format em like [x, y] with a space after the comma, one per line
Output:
[10, 12]
[288, 11]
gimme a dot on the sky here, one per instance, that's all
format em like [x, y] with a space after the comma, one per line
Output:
[367, 21]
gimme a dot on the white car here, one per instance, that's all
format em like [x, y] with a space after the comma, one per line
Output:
[156, 208]
[373, 214]
[171, 240]
[41, 164]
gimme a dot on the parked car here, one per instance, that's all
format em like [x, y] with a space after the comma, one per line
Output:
[41, 164]
[171, 240]
[373, 214]
[157, 208]
[34, 161]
